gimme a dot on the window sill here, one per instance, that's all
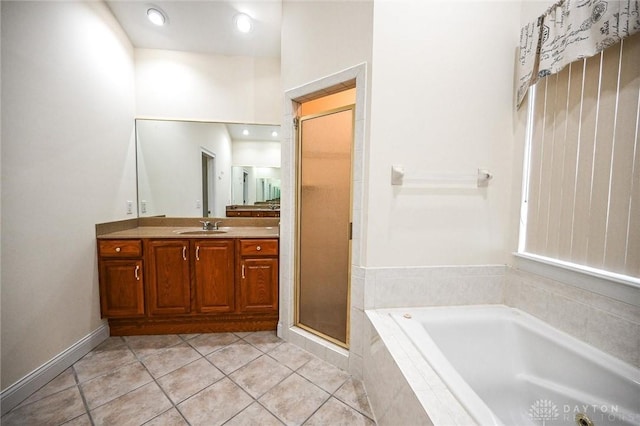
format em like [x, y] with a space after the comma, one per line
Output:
[619, 287]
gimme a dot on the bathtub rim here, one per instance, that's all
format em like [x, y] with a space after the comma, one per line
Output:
[457, 385]
[432, 391]
[437, 401]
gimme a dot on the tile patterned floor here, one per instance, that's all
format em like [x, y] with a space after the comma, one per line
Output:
[207, 379]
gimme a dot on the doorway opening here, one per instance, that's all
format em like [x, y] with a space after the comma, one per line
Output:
[245, 186]
[324, 215]
[208, 184]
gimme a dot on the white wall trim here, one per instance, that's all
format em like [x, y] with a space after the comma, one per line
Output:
[23, 388]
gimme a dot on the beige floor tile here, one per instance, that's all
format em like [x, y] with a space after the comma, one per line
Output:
[103, 389]
[148, 345]
[216, 404]
[264, 340]
[254, 415]
[291, 355]
[335, 412]
[54, 409]
[323, 374]
[134, 408]
[116, 381]
[170, 359]
[294, 400]
[207, 343]
[353, 393]
[242, 333]
[234, 356]
[83, 420]
[189, 380]
[169, 418]
[63, 381]
[260, 375]
[188, 336]
[111, 354]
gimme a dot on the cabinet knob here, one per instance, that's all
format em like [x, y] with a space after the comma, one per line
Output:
[118, 249]
[258, 248]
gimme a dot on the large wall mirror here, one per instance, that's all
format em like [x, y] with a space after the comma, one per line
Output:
[201, 169]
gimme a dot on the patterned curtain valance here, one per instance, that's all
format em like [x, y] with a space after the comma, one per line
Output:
[571, 30]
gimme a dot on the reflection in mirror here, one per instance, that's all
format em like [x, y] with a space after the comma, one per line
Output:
[184, 168]
[255, 185]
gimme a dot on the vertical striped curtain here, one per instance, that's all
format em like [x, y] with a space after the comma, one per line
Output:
[583, 190]
[571, 30]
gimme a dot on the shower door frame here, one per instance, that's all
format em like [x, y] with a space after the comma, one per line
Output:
[298, 208]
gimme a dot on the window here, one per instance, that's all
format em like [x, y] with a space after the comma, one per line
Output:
[581, 196]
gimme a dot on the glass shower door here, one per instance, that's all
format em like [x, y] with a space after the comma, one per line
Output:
[324, 223]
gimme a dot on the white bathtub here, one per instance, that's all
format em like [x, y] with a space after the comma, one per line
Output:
[506, 367]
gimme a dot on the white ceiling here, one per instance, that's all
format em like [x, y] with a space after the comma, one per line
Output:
[203, 26]
[257, 132]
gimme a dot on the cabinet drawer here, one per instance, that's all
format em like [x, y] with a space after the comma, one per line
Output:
[258, 247]
[238, 213]
[119, 248]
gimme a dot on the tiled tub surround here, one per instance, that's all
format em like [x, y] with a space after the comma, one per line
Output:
[219, 378]
[610, 325]
[375, 288]
[388, 362]
[401, 385]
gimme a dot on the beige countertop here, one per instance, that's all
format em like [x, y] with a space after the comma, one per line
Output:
[178, 232]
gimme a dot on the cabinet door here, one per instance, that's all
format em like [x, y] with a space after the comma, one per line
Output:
[121, 288]
[259, 285]
[214, 276]
[168, 281]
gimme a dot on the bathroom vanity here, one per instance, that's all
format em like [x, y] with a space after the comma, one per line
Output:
[163, 275]
[256, 210]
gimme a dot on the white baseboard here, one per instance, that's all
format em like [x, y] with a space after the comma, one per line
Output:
[23, 388]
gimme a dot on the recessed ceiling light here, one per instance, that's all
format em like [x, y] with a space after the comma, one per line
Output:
[274, 134]
[243, 22]
[156, 16]
[245, 132]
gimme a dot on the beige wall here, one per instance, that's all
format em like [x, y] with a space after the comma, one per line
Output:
[320, 38]
[442, 101]
[67, 164]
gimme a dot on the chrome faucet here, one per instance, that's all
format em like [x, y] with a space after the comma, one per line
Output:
[208, 226]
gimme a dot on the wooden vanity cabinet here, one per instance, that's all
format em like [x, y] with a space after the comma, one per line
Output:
[182, 272]
[258, 283]
[191, 285]
[168, 277]
[120, 279]
[214, 277]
